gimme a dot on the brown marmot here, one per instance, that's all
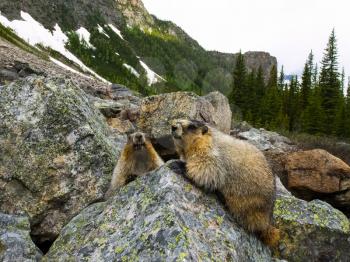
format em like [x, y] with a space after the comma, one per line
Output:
[235, 168]
[137, 158]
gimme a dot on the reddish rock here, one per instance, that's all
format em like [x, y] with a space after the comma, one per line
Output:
[318, 171]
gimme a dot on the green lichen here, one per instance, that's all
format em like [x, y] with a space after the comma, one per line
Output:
[119, 250]
[188, 187]
[219, 219]
[182, 256]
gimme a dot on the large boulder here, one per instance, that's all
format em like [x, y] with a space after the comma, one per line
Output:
[56, 153]
[318, 174]
[156, 113]
[267, 140]
[163, 217]
[311, 231]
[15, 241]
[159, 217]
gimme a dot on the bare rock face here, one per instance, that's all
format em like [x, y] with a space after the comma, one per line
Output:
[56, 153]
[15, 241]
[318, 174]
[157, 112]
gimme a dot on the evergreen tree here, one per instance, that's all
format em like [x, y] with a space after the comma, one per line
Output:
[271, 102]
[239, 91]
[260, 89]
[251, 99]
[292, 106]
[313, 116]
[330, 84]
[315, 76]
[347, 112]
[281, 79]
[342, 81]
[306, 82]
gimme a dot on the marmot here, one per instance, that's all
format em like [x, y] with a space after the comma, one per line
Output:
[236, 169]
[137, 158]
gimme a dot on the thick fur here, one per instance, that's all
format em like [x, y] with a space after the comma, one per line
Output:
[137, 158]
[238, 170]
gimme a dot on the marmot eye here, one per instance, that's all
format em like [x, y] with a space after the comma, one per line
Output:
[173, 128]
[191, 127]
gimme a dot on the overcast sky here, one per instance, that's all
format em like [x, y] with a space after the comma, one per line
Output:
[287, 29]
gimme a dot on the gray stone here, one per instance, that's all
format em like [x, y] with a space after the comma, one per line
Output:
[159, 217]
[15, 241]
[163, 217]
[56, 152]
[267, 140]
[157, 112]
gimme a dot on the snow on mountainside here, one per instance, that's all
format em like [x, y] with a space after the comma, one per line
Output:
[121, 42]
[151, 75]
[35, 33]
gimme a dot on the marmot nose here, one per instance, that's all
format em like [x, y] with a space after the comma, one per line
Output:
[138, 136]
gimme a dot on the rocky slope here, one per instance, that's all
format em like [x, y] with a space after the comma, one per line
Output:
[141, 49]
[56, 161]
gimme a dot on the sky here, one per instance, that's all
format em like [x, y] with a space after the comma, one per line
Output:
[286, 29]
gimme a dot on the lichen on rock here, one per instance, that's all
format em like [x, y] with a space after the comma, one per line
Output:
[56, 152]
[158, 217]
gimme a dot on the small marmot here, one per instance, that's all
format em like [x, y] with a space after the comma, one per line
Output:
[137, 158]
[235, 168]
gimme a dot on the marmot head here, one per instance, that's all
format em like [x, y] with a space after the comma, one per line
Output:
[182, 128]
[138, 140]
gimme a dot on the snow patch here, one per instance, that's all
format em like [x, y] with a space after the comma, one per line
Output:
[59, 63]
[132, 70]
[116, 30]
[151, 75]
[100, 29]
[34, 33]
[117, 53]
[84, 35]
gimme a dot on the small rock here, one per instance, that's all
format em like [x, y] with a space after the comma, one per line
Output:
[15, 241]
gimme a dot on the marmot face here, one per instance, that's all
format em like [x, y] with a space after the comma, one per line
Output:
[187, 130]
[138, 140]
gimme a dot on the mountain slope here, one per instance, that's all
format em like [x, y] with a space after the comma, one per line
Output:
[121, 42]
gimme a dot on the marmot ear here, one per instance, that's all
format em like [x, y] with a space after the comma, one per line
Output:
[205, 130]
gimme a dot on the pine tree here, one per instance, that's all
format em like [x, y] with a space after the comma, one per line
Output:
[306, 82]
[315, 76]
[250, 99]
[271, 102]
[281, 79]
[238, 94]
[260, 90]
[347, 112]
[330, 84]
[342, 81]
[292, 104]
[313, 116]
